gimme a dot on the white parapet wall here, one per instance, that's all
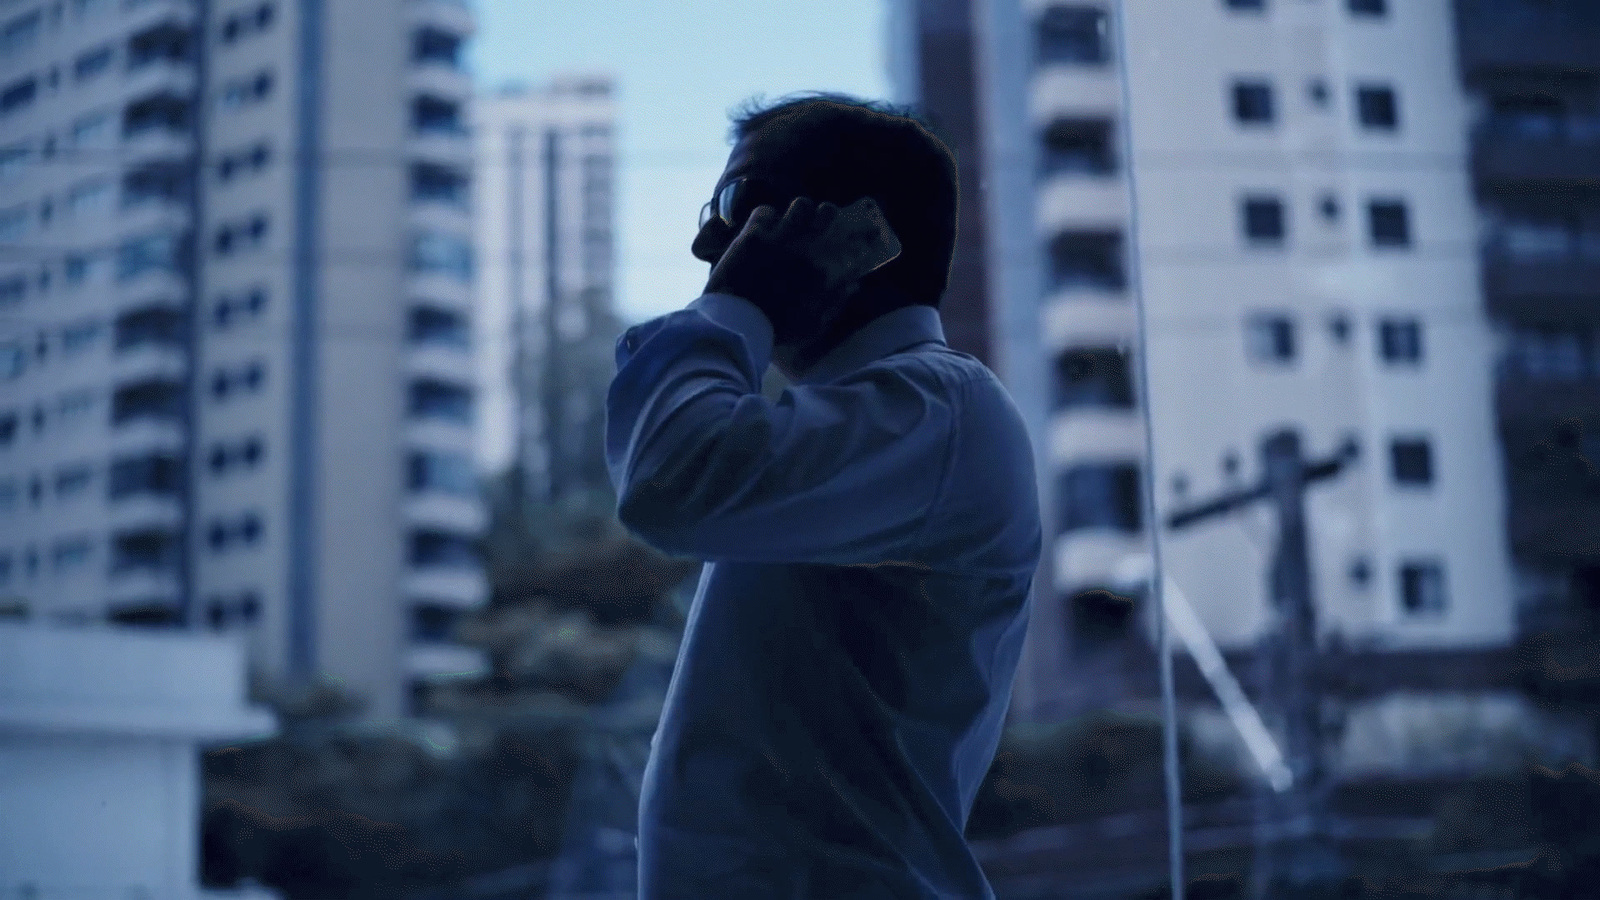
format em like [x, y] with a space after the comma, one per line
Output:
[100, 734]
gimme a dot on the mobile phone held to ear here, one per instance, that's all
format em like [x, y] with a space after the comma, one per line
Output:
[857, 243]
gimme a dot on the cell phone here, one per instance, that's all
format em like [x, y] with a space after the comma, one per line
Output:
[858, 243]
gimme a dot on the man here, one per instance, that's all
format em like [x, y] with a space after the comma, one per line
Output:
[870, 536]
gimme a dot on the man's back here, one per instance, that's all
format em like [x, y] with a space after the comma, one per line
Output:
[871, 540]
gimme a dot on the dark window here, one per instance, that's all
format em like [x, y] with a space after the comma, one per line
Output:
[1270, 338]
[167, 111]
[1099, 616]
[430, 45]
[431, 114]
[13, 290]
[1093, 377]
[432, 325]
[162, 181]
[18, 94]
[1078, 146]
[1073, 34]
[435, 182]
[1389, 223]
[1252, 102]
[149, 549]
[1329, 207]
[155, 325]
[156, 252]
[1411, 461]
[1087, 259]
[145, 615]
[1317, 90]
[73, 479]
[440, 400]
[1525, 115]
[167, 42]
[1339, 328]
[1422, 588]
[1264, 220]
[1246, 4]
[442, 253]
[1369, 7]
[433, 623]
[1104, 495]
[1400, 340]
[8, 426]
[441, 549]
[92, 62]
[147, 400]
[451, 473]
[157, 474]
[1377, 107]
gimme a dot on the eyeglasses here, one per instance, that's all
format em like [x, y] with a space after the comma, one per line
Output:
[737, 199]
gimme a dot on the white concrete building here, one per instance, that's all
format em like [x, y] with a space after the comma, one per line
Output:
[543, 210]
[235, 319]
[100, 734]
[1307, 252]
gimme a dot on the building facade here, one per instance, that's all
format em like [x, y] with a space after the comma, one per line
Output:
[543, 214]
[1303, 237]
[240, 272]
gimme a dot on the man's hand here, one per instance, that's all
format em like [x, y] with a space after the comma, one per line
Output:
[803, 268]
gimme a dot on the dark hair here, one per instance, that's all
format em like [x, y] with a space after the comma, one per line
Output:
[844, 148]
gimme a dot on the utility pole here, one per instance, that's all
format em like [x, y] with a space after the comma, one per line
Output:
[1292, 840]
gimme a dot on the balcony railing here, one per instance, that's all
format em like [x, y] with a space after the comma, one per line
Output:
[1513, 34]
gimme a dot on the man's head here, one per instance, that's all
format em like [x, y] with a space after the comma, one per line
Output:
[837, 149]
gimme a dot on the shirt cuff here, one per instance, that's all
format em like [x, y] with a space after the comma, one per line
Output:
[738, 315]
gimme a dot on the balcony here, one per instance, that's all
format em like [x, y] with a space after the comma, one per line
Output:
[1560, 287]
[156, 13]
[445, 363]
[147, 436]
[141, 586]
[1550, 430]
[454, 16]
[1508, 156]
[453, 512]
[456, 588]
[439, 80]
[140, 511]
[164, 76]
[1519, 34]
[436, 660]
[157, 143]
[149, 362]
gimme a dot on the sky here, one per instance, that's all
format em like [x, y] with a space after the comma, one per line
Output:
[680, 67]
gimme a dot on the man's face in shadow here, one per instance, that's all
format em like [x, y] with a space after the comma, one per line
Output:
[752, 158]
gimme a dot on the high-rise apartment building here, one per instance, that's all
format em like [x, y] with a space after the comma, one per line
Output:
[543, 209]
[235, 324]
[1531, 71]
[1307, 258]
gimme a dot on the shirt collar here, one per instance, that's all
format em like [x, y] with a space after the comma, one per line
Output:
[889, 333]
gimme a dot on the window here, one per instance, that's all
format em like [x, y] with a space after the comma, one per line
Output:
[431, 622]
[1377, 107]
[20, 33]
[13, 359]
[1099, 495]
[246, 452]
[92, 62]
[1400, 340]
[249, 377]
[1079, 147]
[145, 549]
[155, 252]
[168, 112]
[71, 554]
[430, 45]
[1554, 354]
[249, 22]
[1099, 616]
[1095, 377]
[243, 92]
[440, 400]
[18, 94]
[14, 223]
[1422, 588]
[1317, 90]
[159, 326]
[1248, 5]
[450, 473]
[14, 159]
[1388, 223]
[241, 235]
[438, 183]
[8, 427]
[1526, 116]
[1411, 461]
[245, 529]
[445, 254]
[227, 307]
[87, 197]
[1073, 34]
[1328, 206]
[153, 399]
[74, 406]
[1375, 8]
[433, 115]
[432, 325]
[161, 182]
[1087, 260]
[440, 549]
[156, 474]
[72, 481]
[92, 128]
[1270, 338]
[13, 290]
[1252, 102]
[80, 336]
[10, 494]
[1263, 220]
[249, 160]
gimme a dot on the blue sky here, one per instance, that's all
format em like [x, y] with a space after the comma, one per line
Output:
[680, 67]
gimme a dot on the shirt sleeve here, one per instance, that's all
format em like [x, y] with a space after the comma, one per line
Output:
[704, 466]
